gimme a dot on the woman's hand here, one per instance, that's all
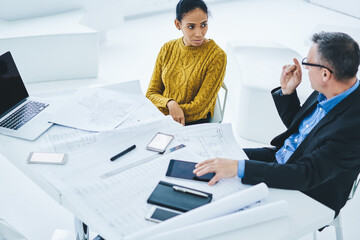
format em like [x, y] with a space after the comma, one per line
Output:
[223, 168]
[176, 112]
[290, 77]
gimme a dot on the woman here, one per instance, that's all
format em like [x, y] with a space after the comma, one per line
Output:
[189, 71]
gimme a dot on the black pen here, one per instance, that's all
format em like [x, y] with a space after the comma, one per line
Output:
[123, 152]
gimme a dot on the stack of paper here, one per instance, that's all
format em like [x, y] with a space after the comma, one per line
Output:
[101, 108]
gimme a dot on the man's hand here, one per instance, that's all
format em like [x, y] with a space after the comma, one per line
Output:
[176, 112]
[223, 168]
[290, 77]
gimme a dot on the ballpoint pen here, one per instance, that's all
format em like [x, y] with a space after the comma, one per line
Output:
[123, 152]
[185, 190]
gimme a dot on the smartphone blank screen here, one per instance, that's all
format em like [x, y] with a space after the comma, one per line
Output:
[162, 214]
[183, 169]
[160, 142]
[52, 158]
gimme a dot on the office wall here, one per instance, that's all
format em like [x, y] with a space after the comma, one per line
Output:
[100, 15]
[115, 9]
[136, 8]
[350, 7]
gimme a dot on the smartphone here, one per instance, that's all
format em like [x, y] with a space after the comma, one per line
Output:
[160, 142]
[184, 169]
[159, 214]
[47, 158]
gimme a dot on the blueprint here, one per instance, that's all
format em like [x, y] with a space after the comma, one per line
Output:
[97, 109]
[117, 203]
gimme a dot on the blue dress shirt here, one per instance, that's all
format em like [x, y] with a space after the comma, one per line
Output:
[291, 143]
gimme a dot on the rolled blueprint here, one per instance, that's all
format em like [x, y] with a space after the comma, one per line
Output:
[227, 223]
[221, 207]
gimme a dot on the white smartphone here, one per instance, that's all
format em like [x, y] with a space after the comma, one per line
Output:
[159, 214]
[160, 142]
[47, 158]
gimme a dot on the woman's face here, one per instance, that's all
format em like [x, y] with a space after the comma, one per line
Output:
[194, 27]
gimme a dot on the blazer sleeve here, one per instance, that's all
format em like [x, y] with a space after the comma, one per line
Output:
[286, 105]
[330, 156]
[207, 94]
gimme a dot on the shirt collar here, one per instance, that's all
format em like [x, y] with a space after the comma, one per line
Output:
[328, 104]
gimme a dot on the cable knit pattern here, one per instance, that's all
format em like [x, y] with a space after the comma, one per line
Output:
[192, 76]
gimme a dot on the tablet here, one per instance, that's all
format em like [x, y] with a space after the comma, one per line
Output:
[184, 169]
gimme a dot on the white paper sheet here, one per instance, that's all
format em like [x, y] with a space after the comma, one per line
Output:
[96, 109]
[211, 140]
[218, 208]
[226, 223]
[117, 204]
[132, 87]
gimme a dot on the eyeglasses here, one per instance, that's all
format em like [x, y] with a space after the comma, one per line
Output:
[305, 63]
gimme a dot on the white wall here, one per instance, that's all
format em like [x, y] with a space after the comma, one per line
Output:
[100, 15]
[111, 11]
[350, 7]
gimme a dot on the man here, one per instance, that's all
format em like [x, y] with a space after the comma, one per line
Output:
[319, 153]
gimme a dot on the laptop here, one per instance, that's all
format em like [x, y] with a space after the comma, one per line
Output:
[21, 116]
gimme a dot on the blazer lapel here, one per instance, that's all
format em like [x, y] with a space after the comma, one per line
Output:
[305, 110]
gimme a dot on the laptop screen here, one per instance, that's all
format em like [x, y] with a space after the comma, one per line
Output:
[12, 88]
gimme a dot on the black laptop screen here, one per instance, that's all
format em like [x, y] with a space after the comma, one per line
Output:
[12, 88]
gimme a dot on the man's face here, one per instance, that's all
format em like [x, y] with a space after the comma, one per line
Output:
[315, 73]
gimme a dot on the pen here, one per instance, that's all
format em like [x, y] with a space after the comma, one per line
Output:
[185, 190]
[123, 152]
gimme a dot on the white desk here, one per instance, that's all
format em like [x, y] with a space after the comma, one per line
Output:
[306, 214]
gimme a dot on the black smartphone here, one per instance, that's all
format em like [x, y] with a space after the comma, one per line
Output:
[159, 214]
[184, 169]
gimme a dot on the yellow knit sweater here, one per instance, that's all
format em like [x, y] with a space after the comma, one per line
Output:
[192, 76]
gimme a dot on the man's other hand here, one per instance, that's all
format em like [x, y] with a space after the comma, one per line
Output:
[290, 77]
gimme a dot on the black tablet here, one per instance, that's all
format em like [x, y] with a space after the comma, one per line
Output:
[184, 169]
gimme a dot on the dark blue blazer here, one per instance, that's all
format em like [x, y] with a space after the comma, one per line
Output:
[326, 163]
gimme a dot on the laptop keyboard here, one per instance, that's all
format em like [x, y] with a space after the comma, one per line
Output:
[21, 116]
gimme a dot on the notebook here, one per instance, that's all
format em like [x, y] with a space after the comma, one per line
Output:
[178, 197]
[21, 116]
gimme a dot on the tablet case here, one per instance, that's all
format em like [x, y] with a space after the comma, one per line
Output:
[164, 195]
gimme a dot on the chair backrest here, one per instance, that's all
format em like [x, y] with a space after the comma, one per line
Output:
[8, 232]
[354, 187]
[220, 108]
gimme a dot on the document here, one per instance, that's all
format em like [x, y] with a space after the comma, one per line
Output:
[226, 223]
[117, 203]
[211, 140]
[62, 140]
[96, 109]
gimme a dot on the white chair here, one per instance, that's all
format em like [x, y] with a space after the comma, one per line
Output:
[7, 232]
[219, 110]
[337, 221]
[253, 70]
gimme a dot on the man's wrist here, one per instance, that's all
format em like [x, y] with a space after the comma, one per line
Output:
[284, 92]
[241, 168]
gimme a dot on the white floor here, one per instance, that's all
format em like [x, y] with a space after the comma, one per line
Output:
[130, 53]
